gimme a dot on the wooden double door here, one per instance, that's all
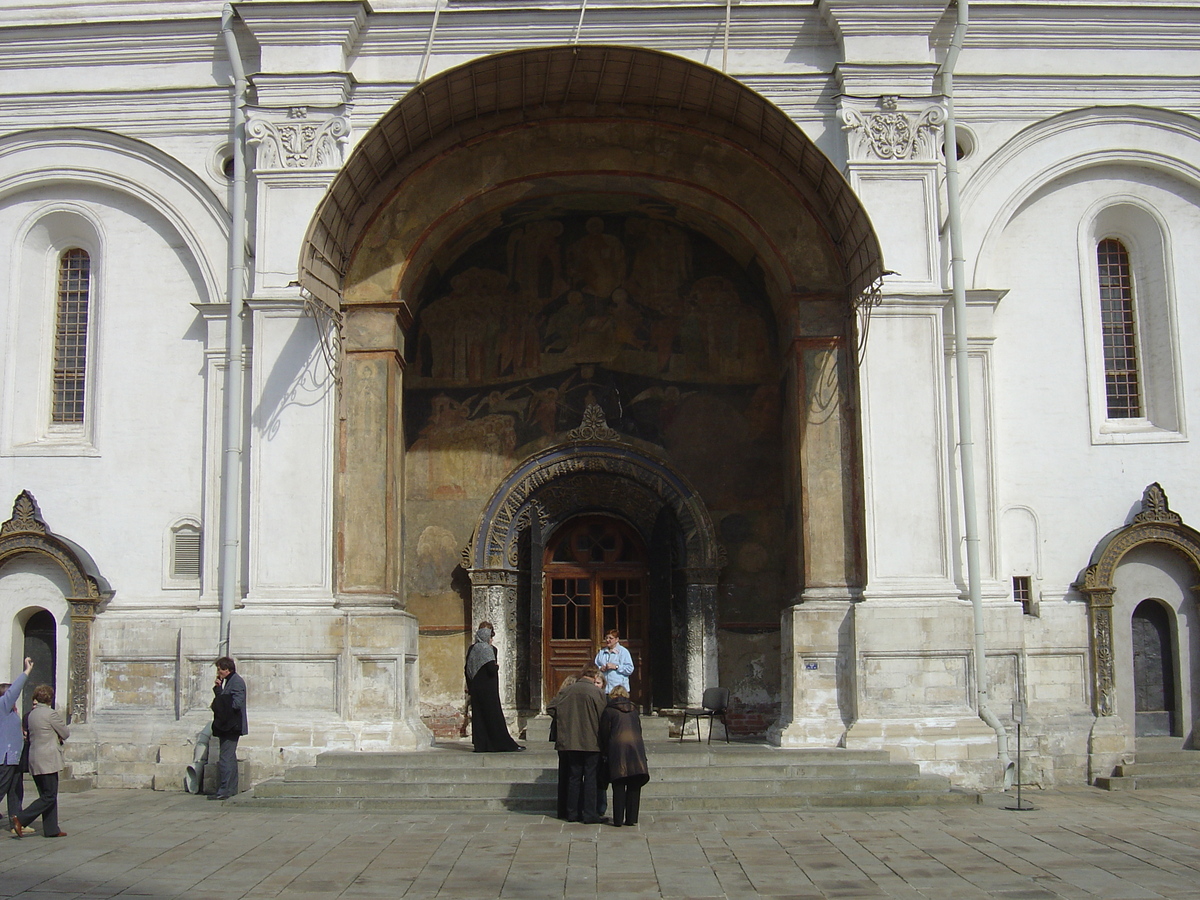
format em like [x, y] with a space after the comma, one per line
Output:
[594, 576]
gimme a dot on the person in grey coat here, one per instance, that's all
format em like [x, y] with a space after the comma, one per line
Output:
[229, 723]
[576, 713]
[12, 742]
[47, 731]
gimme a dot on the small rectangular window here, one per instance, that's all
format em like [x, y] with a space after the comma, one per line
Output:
[1022, 586]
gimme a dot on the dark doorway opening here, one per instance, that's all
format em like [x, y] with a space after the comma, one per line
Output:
[1153, 670]
[41, 642]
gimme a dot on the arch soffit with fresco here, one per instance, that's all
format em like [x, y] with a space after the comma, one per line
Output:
[1154, 524]
[27, 533]
[743, 147]
[643, 479]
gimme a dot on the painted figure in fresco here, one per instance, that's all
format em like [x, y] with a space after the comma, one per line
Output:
[627, 321]
[460, 456]
[463, 327]
[534, 259]
[562, 327]
[596, 262]
[662, 260]
[732, 336]
[489, 732]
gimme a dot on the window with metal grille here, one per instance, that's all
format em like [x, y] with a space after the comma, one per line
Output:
[71, 337]
[185, 553]
[1023, 591]
[1119, 331]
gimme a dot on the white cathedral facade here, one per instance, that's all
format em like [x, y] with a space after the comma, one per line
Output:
[333, 327]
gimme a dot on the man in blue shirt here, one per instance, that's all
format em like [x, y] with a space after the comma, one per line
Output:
[12, 742]
[614, 662]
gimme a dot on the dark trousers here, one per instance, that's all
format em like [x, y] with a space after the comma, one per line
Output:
[227, 767]
[627, 798]
[12, 787]
[46, 805]
[564, 775]
[581, 786]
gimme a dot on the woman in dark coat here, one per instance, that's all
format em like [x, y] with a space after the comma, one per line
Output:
[489, 732]
[621, 742]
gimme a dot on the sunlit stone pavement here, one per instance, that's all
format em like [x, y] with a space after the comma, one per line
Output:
[1079, 842]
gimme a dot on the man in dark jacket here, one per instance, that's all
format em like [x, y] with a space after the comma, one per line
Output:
[576, 711]
[229, 724]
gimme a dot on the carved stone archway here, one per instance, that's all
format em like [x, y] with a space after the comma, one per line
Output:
[26, 532]
[1154, 524]
[597, 470]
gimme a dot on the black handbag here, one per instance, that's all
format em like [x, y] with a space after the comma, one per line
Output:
[24, 765]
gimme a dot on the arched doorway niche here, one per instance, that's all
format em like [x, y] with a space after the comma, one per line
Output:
[1155, 557]
[28, 545]
[600, 473]
[602, 128]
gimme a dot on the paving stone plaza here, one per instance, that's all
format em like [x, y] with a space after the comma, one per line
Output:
[1077, 843]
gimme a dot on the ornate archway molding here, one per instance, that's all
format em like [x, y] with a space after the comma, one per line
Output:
[1154, 524]
[27, 532]
[597, 468]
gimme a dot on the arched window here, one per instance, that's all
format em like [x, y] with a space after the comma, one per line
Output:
[1129, 311]
[1117, 322]
[71, 337]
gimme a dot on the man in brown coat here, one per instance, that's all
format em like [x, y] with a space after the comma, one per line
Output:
[576, 711]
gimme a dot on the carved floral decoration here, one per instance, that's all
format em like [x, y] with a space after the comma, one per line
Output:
[889, 133]
[299, 142]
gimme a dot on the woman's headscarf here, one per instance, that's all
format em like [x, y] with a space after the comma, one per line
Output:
[481, 652]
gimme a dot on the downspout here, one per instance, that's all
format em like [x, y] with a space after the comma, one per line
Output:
[966, 442]
[231, 459]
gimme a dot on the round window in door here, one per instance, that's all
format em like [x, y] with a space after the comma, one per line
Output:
[594, 579]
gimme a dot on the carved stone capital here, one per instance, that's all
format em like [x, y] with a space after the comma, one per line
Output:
[298, 138]
[892, 130]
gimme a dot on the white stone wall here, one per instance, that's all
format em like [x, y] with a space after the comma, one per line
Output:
[1077, 126]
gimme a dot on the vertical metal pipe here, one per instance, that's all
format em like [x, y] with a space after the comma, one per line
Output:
[966, 442]
[437, 11]
[725, 48]
[231, 459]
[579, 24]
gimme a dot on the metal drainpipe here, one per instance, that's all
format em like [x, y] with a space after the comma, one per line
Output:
[962, 371]
[231, 460]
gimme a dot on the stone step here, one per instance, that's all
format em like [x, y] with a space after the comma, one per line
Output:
[1156, 768]
[546, 785]
[674, 773]
[668, 753]
[1147, 782]
[1167, 757]
[738, 776]
[650, 802]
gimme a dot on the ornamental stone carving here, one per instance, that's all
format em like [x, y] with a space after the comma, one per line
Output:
[1155, 523]
[889, 132]
[299, 141]
[27, 533]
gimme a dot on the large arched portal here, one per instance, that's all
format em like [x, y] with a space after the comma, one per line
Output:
[545, 240]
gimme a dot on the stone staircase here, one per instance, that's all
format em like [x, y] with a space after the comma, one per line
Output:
[687, 777]
[1161, 762]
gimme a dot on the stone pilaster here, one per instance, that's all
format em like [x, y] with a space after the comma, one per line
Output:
[370, 454]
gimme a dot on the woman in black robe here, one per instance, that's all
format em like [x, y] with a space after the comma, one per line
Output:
[489, 733]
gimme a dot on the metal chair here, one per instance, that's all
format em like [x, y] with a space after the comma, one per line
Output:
[713, 705]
